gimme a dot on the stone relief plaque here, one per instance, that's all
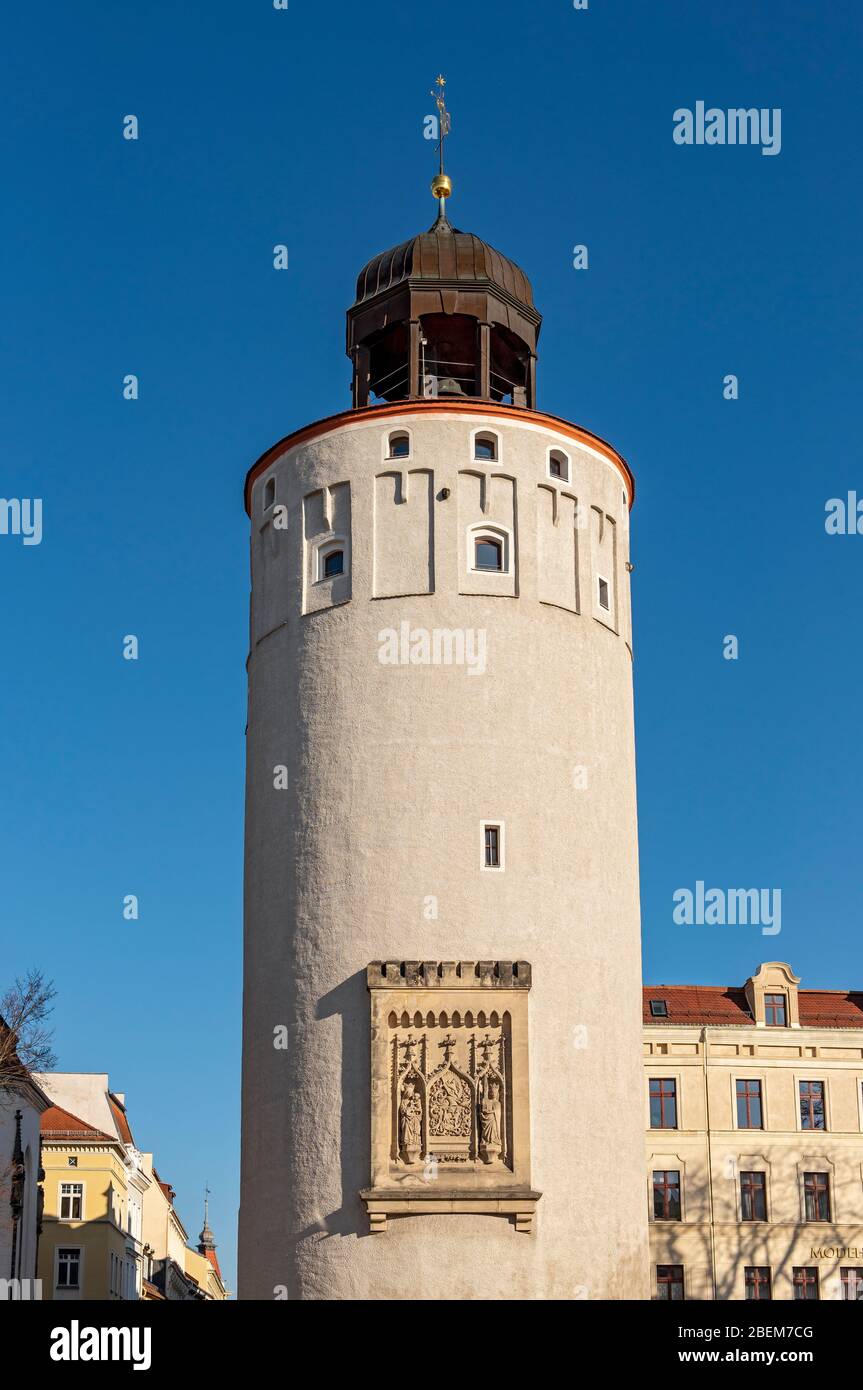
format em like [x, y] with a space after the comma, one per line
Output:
[450, 1090]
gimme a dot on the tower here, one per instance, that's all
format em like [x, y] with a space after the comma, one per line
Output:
[206, 1240]
[441, 1060]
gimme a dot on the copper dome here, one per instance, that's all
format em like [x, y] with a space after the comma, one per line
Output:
[443, 253]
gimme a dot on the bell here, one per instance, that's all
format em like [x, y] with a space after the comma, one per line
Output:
[448, 386]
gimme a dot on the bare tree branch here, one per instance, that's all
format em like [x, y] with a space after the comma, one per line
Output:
[25, 1037]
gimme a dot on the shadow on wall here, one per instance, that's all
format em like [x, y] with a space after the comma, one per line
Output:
[730, 1277]
[350, 1001]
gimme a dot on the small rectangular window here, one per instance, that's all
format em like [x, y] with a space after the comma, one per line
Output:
[775, 1012]
[73, 1160]
[663, 1103]
[749, 1109]
[492, 846]
[603, 595]
[269, 492]
[68, 1269]
[852, 1283]
[658, 1008]
[753, 1196]
[812, 1105]
[816, 1196]
[805, 1283]
[71, 1201]
[757, 1283]
[669, 1282]
[666, 1195]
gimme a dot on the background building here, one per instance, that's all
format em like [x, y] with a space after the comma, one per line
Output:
[95, 1186]
[441, 781]
[110, 1227]
[22, 1103]
[173, 1270]
[754, 1113]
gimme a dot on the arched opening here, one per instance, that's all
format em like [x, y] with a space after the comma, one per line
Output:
[485, 448]
[488, 554]
[332, 563]
[558, 465]
[399, 445]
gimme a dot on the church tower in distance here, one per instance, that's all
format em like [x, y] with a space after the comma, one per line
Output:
[442, 1090]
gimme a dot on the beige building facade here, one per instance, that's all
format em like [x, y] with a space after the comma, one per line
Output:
[754, 1116]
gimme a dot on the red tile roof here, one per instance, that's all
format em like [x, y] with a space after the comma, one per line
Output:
[722, 1005]
[214, 1260]
[119, 1113]
[56, 1122]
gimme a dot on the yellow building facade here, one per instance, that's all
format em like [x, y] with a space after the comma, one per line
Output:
[84, 1250]
[754, 1117]
[110, 1227]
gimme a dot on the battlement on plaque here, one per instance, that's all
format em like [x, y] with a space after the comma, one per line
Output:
[450, 1096]
[448, 974]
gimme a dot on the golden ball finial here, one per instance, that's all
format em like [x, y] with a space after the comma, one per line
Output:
[441, 185]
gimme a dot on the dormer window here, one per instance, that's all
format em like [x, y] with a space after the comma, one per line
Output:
[485, 448]
[558, 465]
[775, 1011]
[488, 554]
[658, 1008]
[399, 445]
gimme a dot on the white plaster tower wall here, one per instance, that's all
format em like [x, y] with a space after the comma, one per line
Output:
[374, 849]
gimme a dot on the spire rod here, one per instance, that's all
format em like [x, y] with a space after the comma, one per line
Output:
[441, 185]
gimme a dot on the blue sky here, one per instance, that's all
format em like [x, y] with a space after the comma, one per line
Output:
[155, 257]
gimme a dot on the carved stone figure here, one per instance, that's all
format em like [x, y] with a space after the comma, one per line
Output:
[449, 1106]
[489, 1118]
[410, 1123]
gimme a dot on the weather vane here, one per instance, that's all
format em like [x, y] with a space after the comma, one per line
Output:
[441, 183]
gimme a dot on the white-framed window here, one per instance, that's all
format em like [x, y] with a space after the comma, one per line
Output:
[68, 1267]
[332, 559]
[488, 549]
[558, 465]
[399, 445]
[603, 593]
[269, 492]
[71, 1201]
[492, 845]
[485, 446]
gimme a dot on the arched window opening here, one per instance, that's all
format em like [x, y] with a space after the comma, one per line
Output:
[488, 553]
[485, 448]
[399, 445]
[558, 465]
[334, 563]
